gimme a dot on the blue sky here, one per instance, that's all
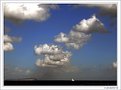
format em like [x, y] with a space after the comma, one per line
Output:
[99, 51]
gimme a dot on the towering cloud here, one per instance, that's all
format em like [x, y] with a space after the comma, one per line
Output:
[18, 12]
[53, 55]
[8, 40]
[81, 32]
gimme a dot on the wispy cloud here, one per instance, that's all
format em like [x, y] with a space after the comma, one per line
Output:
[11, 39]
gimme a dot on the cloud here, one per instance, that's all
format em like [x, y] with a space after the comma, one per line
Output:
[81, 32]
[47, 49]
[104, 9]
[8, 42]
[11, 39]
[62, 37]
[77, 39]
[114, 64]
[18, 12]
[90, 25]
[103, 6]
[8, 47]
[108, 10]
[53, 55]
[66, 72]
[16, 73]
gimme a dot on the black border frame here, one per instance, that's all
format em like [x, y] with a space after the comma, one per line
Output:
[61, 83]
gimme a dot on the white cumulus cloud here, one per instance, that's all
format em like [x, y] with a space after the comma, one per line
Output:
[90, 25]
[47, 49]
[8, 47]
[53, 55]
[62, 37]
[27, 11]
[8, 42]
[81, 32]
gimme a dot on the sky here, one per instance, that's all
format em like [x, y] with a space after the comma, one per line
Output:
[60, 41]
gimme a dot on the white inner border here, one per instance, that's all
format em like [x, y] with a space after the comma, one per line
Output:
[63, 87]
